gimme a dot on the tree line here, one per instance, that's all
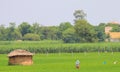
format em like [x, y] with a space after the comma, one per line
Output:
[80, 31]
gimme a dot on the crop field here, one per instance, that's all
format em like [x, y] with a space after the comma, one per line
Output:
[57, 46]
[65, 62]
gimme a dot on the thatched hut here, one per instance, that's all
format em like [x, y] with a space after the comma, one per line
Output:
[20, 57]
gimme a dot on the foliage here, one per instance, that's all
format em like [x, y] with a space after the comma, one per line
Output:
[115, 27]
[3, 33]
[31, 37]
[25, 28]
[65, 25]
[85, 31]
[49, 33]
[69, 36]
[79, 14]
[100, 29]
[36, 28]
[9, 33]
[101, 36]
[68, 32]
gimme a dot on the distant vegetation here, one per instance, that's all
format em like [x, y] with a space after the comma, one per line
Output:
[79, 32]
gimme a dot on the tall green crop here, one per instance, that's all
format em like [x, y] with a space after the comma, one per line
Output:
[57, 46]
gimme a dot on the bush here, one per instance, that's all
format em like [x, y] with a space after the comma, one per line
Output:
[31, 37]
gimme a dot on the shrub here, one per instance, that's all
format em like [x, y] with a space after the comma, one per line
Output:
[31, 37]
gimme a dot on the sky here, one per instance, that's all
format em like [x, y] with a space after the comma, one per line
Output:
[54, 12]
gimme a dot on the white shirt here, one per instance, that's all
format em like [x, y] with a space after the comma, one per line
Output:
[77, 62]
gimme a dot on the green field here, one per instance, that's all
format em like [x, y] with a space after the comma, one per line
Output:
[57, 46]
[65, 62]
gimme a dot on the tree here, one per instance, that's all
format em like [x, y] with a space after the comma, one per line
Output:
[49, 32]
[69, 36]
[62, 27]
[85, 31]
[65, 25]
[79, 14]
[2, 32]
[116, 29]
[25, 28]
[12, 32]
[17, 35]
[101, 36]
[9, 33]
[100, 29]
[36, 28]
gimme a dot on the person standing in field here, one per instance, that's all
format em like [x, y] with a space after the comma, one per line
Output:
[77, 64]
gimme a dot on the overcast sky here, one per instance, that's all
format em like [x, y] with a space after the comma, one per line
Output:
[53, 12]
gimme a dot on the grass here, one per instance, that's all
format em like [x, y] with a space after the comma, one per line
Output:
[65, 62]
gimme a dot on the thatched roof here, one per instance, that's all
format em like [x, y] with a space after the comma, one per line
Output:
[19, 52]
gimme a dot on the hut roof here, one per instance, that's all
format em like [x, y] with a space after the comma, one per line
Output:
[19, 52]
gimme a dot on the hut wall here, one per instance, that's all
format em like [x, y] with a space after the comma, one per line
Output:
[22, 60]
